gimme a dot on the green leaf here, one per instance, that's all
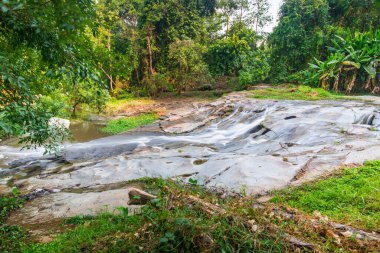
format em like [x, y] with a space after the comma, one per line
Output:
[370, 70]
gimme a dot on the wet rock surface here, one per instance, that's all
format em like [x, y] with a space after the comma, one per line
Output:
[236, 143]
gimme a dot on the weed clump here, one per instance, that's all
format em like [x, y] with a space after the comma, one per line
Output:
[117, 126]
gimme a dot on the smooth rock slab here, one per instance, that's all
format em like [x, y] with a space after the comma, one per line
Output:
[236, 143]
[57, 206]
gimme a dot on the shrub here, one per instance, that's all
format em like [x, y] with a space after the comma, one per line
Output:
[156, 83]
[305, 77]
[255, 69]
[224, 57]
[188, 68]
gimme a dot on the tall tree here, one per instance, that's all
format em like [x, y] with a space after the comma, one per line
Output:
[305, 30]
[299, 36]
[228, 9]
[259, 14]
[115, 40]
[38, 46]
[163, 22]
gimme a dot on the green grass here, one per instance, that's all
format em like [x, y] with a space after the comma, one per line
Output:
[171, 224]
[295, 93]
[124, 124]
[129, 101]
[162, 226]
[11, 237]
[351, 196]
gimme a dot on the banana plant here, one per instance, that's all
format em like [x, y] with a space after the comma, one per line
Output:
[356, 56]
[371, 70]
[326, 70]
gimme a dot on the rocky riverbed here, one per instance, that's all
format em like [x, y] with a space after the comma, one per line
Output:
[235, 143]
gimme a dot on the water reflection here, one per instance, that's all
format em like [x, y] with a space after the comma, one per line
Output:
[84, 131]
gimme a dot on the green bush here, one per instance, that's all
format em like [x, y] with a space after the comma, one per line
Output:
[188, 67]
[11, 237]
[224, 57]
[156, 84]
[255, 69]
[305, 77]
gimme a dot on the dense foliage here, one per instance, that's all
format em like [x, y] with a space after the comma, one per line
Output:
[71, 55]
[353, 61]
[42, 51]
[307, 28]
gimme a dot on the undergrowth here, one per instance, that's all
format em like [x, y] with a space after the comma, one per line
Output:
[127, 123]
[170, 223]
[163, 226]
[11, 237]
[351, 196]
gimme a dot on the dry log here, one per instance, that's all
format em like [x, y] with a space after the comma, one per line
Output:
[337, 227]
[139, 197]
[359, 234]
[297, 242]
[205, 206]
[217, 210]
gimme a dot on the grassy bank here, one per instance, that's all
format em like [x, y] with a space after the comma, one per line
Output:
[174, 222]
[291, 92]
[127, 123]
[351, 196]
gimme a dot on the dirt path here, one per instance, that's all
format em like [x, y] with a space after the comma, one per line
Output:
[161, 106]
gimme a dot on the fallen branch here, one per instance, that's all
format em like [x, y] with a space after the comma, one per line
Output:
[139, 197]
[341, 229]
[205, 206]
[359, 234]
[217, 210]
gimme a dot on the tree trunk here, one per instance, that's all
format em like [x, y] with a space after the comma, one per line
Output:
[376, 90]
[137, 76]
[336, 82]
[368, 82]
[109, 57]
[241, 16]
[228, 21]
[257, 16]
[149, 46]
[73, 114]
[352, 83]
[108, 76]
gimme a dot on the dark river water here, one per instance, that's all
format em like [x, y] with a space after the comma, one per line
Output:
[84, 131]
[81, 131]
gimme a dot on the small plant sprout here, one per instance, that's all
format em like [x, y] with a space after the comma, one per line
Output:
[193, 182]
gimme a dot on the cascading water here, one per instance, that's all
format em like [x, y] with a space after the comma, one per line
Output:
[235, 143]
